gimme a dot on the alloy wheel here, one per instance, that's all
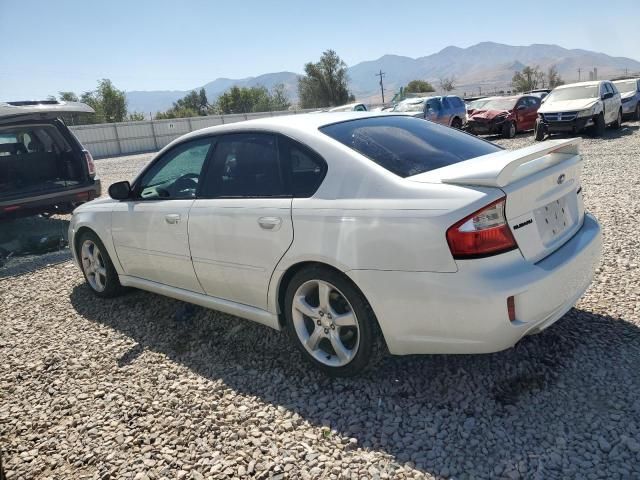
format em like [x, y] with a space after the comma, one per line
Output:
[325, 323]
[93, 266]
[512, 130]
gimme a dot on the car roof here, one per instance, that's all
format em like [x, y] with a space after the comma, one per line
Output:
[41, 109]
[582, 84]
[299, 122]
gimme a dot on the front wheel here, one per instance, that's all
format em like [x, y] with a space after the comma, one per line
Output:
[598, 128]
[636, 113]
[331, 323]
[456, 123]
[538, 131]
[618, 123]
[97, 267]
[509, 130]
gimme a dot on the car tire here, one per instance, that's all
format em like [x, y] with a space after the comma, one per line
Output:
[97, 267]
[599, 127]
[618, 123]
[317, 300]
[456, 123]
[509, 130]
[538, 131]
[636, 113]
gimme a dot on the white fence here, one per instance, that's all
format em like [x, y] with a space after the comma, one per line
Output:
[111, 139]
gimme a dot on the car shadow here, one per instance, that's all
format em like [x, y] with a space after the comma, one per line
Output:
[536, 408]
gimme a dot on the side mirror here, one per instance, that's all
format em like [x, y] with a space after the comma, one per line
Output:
[607, 96]
[120, 190]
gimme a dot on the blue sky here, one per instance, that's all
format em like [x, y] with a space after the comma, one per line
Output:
[49, 46]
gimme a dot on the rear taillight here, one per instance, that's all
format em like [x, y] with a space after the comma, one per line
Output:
[481, 234]
[91, 167]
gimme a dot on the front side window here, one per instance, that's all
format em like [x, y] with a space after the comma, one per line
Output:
[245, 165]
[177, 173]
[408, 146]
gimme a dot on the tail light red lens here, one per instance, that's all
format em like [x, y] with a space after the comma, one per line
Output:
[91, 167]
[481, 234]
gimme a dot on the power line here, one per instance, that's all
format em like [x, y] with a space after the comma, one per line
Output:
[381, 75]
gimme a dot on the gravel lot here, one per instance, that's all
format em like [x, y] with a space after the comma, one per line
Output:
[137, 387]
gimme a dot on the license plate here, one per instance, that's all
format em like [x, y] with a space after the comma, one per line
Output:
[554, 218]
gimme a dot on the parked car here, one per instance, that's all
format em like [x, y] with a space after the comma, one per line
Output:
[629, 96]
[449, 110]
[505, 116]
[575, 107]
[43, 167]
[407, 233]
[352, 107]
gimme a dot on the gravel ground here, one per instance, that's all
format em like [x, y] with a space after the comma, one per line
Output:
[138, 387]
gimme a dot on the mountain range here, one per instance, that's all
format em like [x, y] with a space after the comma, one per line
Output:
[486, 65]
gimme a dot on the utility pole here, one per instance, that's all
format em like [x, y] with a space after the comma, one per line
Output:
[381, 74]
[579, 70]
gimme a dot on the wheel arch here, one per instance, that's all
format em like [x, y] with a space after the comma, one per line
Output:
[287, 276]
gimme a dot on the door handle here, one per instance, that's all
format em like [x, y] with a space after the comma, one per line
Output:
[172, 218]
[270, 223]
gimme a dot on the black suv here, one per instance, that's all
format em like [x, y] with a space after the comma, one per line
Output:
[43, 167]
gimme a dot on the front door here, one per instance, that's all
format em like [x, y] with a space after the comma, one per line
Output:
[240, 226]
[150, 230]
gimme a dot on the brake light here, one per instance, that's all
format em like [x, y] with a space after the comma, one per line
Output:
[91, 167]
[481, 234]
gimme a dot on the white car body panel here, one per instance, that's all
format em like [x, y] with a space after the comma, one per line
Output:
[610, 106]
[385, 232]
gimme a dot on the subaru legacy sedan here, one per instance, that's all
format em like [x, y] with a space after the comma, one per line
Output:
[354, 233]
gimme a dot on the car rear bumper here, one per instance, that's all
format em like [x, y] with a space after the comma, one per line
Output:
[34, 204]
[466, 311]
[571, 126]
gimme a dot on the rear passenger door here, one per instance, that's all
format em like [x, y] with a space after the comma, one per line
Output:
[240, 224]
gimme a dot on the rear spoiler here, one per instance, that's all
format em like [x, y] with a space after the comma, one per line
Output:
[502, 168]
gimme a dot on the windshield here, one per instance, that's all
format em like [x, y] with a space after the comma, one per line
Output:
[500, 104]
[408, 146]
[573, 93]
[477, 104]
[412, 106]
[628, 86]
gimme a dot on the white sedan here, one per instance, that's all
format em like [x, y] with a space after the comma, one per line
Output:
[354, 233]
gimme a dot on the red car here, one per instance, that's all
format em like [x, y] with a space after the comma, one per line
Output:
[504, 116]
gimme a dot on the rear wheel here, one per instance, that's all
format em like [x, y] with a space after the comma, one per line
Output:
[538, 131]
[331, 323]
[98, 270]
[509, 130]
[456, 123]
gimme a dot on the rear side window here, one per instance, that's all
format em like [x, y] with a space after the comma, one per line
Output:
[245, 165]
[304, 169]
[408, 146]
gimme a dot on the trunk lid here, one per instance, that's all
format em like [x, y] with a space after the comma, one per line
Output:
[542, 182]
[39, 110]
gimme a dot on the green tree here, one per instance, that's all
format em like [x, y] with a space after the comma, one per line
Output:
[279, 98]
[324, 83]
[68, 97]
[448, 83]
[553, 77]
[252, 99]
[136, 117]
[529, 78]
[109, 103]
[419, 86]
[176, 112]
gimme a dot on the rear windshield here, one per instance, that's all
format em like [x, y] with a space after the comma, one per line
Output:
[408, 146]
